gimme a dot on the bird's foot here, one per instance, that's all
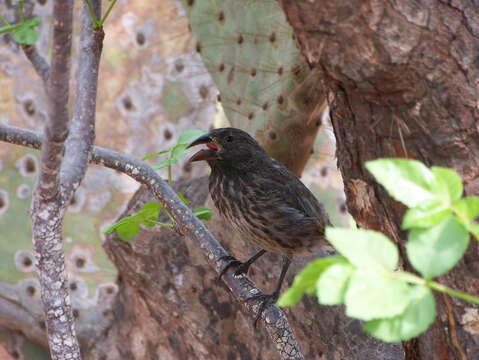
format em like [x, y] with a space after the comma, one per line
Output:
[266, 300]
[241, 268]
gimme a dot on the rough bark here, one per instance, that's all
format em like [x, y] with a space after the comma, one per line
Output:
[403, 80]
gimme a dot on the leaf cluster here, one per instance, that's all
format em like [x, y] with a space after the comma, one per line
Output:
[396, 305]
[128, 227]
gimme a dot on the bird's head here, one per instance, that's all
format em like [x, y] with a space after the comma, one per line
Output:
[227, 146]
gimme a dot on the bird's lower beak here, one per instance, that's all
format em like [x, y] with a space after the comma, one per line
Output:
[204, 154]
[211, 153]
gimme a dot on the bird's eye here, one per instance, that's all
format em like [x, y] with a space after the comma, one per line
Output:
[229, 139]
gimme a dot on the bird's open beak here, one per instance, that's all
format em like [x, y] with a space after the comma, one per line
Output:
[211, 153]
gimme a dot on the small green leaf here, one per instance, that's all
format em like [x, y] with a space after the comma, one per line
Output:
[332, 284]
[129, 226]
[149, 209]
[467, 208]
[155, 154]
[372, 295]
[26, 33]
[305, 281]
[150, 222]
[178, 151]
[183, 198]
[9, 28]
[113, 226]
[474, 229]
[434, 251]
[163, 164]
[425, 215]
[128, 231]
[189, 136]
[364, 248]
[450, 181]
[408, 181]
[417, 317]
[203, 213]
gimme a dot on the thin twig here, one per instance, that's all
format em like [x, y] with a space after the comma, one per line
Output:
[82, 128]
[38, 61]
[241, 287]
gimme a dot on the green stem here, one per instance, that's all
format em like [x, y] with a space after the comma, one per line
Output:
[168, 226]
[408, 277]
[112, 3]
[459, 294]
[170, 176]
[22, 13]
[413, 279]
[4, 20]
[171, 218]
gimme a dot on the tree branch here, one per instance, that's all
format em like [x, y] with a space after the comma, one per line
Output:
[38, 61]
[82, 129]
[56, 129]
[242, 287]
[48, 205]
[20, 315]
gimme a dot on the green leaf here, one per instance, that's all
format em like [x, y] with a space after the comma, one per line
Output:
[128, 231]
[425, 215]
[178, 151]
[434, 251]
[26, 33]
[183, 198]
[155, 154]
[164, 163]
[474, 229]
[408, 181]
[332, 284]
[189, 136]
[449, 181]
[149, 210]
[203, 213]
[372, 295]
[417, 317]
[467, 208]
[9, 28]
[113, 226]
[364, 248]
[305, 281]
[129, 226]
[150, 222]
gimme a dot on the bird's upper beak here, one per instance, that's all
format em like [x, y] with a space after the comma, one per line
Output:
[211, 153]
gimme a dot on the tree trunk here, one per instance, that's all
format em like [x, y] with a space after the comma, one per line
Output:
[403, 77]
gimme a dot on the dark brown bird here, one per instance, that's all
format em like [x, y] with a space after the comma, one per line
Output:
[261, 199]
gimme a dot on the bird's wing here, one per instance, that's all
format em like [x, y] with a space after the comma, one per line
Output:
[290, 195]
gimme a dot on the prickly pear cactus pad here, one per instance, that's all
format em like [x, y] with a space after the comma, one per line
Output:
[265, 84]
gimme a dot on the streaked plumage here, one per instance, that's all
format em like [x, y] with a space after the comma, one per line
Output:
[260, 198]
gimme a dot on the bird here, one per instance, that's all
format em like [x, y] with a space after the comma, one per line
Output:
[262, 200]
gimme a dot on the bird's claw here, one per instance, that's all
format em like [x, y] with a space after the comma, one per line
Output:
[266, 300]
[241, 269]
